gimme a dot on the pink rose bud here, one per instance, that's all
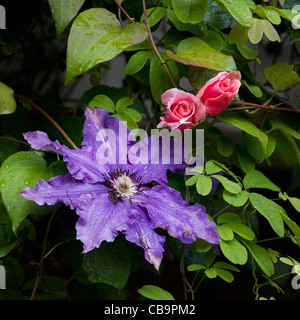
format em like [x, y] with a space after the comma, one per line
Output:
[183, 111]
[217, 93]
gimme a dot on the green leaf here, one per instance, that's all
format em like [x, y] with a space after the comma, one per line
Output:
[195, 52]
[190, 11]
[95, 37]
[104, 102]
[195, 267]
[277, 124]
[7, 100]
[228, 217]
[124, 103]
[225, 232]
[241, 229]
[255, 32]
[216, 18]
[261, 256]
[270, 210]
[246, 125]
[225, 275]
[270, 31]
[202, 245]
[245, 160]
[239, 10]
[225, 147]
[212, 167]
[229, 185]
[255, 90]
[159, 78]
[256, 179]
[204, 185]
[110, 264]
[234, 251]
[154, 15]
[281, 75]
[21, 170]
[138, 61]
[225, 265]
[286, 148]
[155, 293]
[211, 273]
[236, 199]
[130, 117]
[192, 180]
[63, 12]
[292, 225]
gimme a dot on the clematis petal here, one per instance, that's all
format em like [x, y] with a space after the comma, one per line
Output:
[168, 210]
[40, 140]
[157, 155]
[61, 189]
[140, 232]
[99, 220]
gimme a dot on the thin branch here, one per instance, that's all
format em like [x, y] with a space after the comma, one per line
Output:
[58, 127]
[152, 44]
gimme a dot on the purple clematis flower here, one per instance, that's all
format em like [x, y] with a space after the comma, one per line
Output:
[118, 197]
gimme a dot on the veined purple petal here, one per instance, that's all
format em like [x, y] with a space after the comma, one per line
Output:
[61, 189]
[40, 140]
[140, 233]
[168, 210]
[99, 220]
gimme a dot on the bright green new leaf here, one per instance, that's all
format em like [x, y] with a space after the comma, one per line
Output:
[196, 52]
[212, 167]
[236, 199]
[270, 210]
[104, 102]
[241, 229]
[130, 117]
[20, 170]
[63, 12]
[225, 265]
[255, 32]
[110, 264]
[256, 179]
[229, 185]
[203, 185]
[281, 75]
[211, 273]
[124, 103]
[228, 217]
[190, 11]
[225, 275]
[155, 293]
[195, 267]
[261, 256]
[234, 251]
[7, 100]
[270, 32]
[96, 36]
[225, 232]
[239, 10]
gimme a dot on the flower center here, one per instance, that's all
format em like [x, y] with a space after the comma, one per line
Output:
[123, 185]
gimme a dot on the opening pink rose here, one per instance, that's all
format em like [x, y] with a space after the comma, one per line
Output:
[217, 93]
[183, 111]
